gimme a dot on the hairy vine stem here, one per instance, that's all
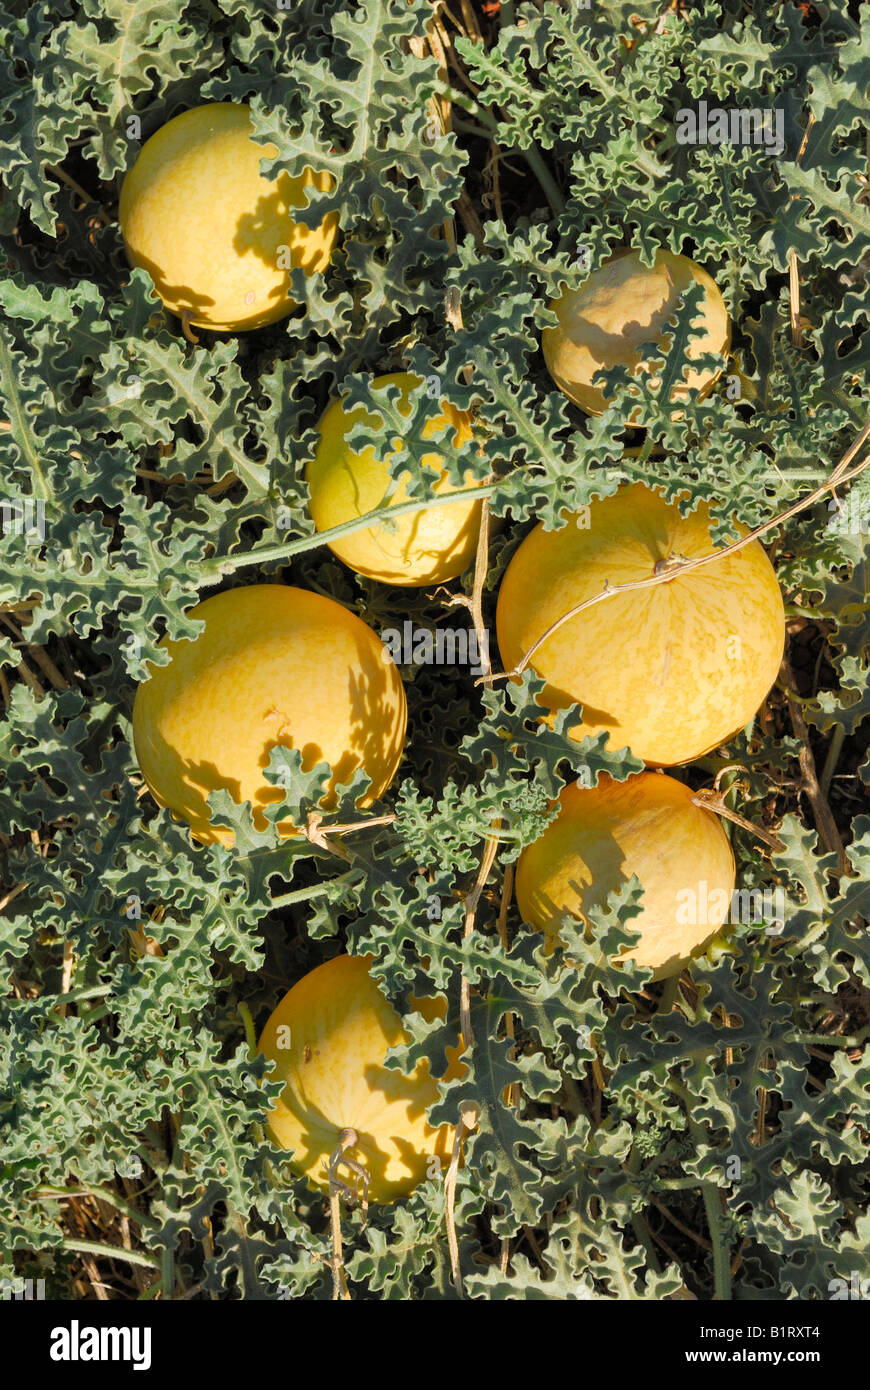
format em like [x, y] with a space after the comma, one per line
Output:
[712, 1197]
[215, 566]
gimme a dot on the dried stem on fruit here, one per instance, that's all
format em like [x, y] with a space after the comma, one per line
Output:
[715, 801]
[347, 1139]
[841, 474]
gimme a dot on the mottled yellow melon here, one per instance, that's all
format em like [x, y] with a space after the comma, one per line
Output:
[329, 1036]
[621, 305]
[671, 671]
[217, 238]
[273, 665]
[646, 826]
[425, 547]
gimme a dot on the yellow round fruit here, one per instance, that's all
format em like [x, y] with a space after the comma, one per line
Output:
[217, 238]
[425, 547]
[671, 671]
[329, 1036]
[273, 665]
[646, 826]
[620, 306]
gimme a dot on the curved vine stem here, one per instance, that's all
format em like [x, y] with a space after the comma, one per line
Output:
[715, 801]
[214, 567]
[250, 1032]
[186, 317]
[110, 1252]
[677, 565]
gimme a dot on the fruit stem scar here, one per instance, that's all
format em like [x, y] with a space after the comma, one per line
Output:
[283, 728]
[670, 562]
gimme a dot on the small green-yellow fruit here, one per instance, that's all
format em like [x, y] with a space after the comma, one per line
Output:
[424, 547]
[648, 826]
[621, 305]
[217, 238]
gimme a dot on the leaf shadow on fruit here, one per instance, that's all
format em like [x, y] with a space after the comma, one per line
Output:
[191, 785]
[614, 349]
[377, 735]
[553, 700]
[547, 913]
[390, 1093]
[407, 549]
[607, 351]
[592, 898]
[271, 227]
[377, 726]
[176, 298]
[376, 740]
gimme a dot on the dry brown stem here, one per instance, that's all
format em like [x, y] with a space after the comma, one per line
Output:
[468, 1117]
[70, 182]
[841, 474]
[822, 813]
[347, 1139]
[715, 802]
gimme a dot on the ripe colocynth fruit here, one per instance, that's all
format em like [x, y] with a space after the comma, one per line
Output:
[273, 665]
[622, 305]
[329, 1036]
[670, 671]
[425, 547]
[648, 826]
[217, 238]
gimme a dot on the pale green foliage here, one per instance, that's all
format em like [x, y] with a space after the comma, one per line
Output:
[167, 468]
